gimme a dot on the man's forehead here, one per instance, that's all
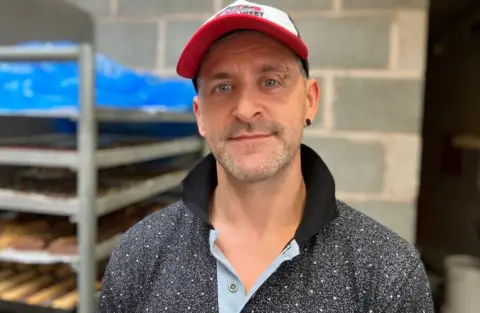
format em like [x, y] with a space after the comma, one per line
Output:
[222, 64]
[221, 71]
[261, 55]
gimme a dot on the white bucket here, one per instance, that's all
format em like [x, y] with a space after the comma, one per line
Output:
[463, 284]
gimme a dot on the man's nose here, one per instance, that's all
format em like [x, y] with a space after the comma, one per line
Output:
[247, 106]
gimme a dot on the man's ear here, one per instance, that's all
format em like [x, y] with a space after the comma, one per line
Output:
[198, 114]
[313, 97]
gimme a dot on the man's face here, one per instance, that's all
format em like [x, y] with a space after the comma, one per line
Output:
[252, 104]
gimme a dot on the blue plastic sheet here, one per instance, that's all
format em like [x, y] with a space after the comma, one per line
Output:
[53, 86]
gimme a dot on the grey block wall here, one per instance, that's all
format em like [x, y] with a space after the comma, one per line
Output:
[369, 57]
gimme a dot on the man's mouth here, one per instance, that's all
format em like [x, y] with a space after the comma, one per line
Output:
[250, 137]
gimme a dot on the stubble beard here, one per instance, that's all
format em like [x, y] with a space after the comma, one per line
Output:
[272, 164]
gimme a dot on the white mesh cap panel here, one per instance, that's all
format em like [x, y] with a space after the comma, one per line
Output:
[250, 8]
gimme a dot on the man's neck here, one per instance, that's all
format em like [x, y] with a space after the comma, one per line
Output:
[261, 208]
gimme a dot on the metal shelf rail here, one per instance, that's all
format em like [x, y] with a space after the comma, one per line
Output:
[104, 204]
[65, 23]
[87, 174]
[104, 157]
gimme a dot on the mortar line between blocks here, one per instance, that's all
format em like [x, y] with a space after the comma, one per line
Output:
[113, 7]
[366, 196]
[368, 73]
[328, 111]
[217, 5]
[161, 44]
[337, 5]
[394, 44]
[387, 166]
[357, 135]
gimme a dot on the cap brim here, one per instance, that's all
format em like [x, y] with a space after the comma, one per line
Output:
[200, 42]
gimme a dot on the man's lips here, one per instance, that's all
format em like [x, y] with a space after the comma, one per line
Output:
[247, 137]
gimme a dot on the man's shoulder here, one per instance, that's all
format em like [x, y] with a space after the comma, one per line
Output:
[369, 237]
[387, 267]
[163, 218]
[157, 228]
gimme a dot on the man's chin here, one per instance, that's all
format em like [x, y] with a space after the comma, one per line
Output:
[250, 176]
[252, 161]
[251, 165]
[250, 169]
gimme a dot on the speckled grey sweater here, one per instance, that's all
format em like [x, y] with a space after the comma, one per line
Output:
[350, 264]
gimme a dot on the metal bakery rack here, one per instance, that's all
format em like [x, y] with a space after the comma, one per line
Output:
[50, 20]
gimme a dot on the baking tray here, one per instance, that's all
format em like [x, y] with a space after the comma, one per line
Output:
[69, 142]
[20, 282]
[111, 227]
[18, 307]
[63, 182]
[59, 276]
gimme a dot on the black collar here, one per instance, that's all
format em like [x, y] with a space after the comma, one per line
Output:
[320, 206]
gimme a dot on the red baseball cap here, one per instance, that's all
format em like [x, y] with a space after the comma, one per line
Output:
[240, 15]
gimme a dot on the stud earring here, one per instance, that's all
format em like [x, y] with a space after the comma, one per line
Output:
[308, 122]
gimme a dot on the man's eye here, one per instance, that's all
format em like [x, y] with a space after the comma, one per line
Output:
[223, 88]
[271, 83]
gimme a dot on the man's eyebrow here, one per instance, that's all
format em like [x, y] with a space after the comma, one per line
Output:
[269, 68]
[217, 76]
[283, 69]
[265, 68]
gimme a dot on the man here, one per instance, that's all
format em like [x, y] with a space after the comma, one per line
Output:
[258, 228]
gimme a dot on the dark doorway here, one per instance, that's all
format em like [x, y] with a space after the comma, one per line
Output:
[449, 198]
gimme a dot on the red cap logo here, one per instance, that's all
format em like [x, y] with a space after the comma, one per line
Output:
[242, 9]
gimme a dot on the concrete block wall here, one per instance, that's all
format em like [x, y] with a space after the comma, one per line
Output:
[369, 57]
